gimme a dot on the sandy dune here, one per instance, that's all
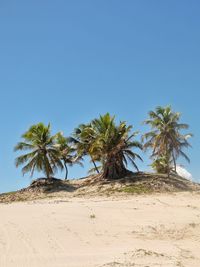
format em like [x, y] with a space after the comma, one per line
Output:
[159, 230]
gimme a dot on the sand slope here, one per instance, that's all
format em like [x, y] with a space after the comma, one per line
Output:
[151, 230]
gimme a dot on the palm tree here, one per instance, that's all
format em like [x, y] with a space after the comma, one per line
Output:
[42, 155]
[83, 138]
[165, 139]
[162, 164]
[67, 153]
[111, 145]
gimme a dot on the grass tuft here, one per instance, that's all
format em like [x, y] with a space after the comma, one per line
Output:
[135, 189]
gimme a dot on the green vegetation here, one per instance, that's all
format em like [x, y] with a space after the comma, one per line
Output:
[48, 153]
[162, 164]
[43, 155]
[82, 139]
[112, 147]
[166, 139]
[109, 144]
[67, 153]
[135, 189]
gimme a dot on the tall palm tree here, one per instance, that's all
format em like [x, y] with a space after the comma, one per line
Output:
[42, 155]
[111, 145]
[166, 138]
[67, 153]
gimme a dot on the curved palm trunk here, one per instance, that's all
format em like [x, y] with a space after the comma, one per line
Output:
[174, 160]
[168, 169]
[66, 170]
[95, 166]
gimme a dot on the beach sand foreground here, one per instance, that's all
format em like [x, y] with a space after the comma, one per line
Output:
[142, 231]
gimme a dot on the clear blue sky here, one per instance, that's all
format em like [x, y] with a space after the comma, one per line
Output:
[66, 62]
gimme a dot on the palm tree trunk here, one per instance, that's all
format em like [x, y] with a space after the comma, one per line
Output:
[95, 166]
[168, 160]
[47, 165]
[66, 170]
[113, 169]
[168, 168]
[174, 160]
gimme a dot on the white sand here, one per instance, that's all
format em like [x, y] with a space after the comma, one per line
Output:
[159, 230]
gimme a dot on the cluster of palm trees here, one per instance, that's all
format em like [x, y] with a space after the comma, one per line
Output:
[109, 145]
